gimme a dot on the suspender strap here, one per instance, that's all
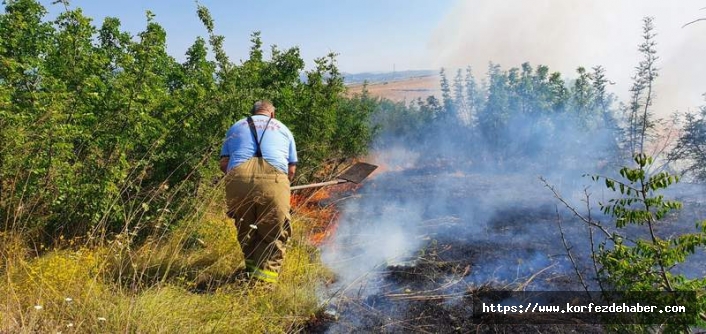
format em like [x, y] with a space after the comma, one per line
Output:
[253, 130]
[251, 124]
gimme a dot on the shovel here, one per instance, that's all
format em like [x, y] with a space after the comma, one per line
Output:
[356, 174]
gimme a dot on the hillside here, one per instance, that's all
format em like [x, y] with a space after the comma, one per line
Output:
[398, 88]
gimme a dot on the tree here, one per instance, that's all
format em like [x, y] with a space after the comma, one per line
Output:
[103, 133]
[636, 256]
[526, 91]
[601, 99]
[316, 112]
[605, 121]
[496, 114]
[559, 93]
[446, 97]
[473, 95]
[353, 117]
[639, 114]
[431, 108]
[462, 112]
[582, 95]
[691, 145]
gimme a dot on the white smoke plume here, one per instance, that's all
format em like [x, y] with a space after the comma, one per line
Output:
[564, 34]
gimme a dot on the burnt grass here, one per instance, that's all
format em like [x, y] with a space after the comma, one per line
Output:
[430, 294]
[433, 291]
[467, 248]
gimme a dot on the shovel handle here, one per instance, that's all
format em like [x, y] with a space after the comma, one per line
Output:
[320, 184]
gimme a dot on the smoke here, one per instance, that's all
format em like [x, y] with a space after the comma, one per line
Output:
[453, 211]
[372, 233]
[446, 184]
[566, 34]
[469, 195]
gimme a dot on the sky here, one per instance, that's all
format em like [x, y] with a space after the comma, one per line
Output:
[386, 35]
[368, 35]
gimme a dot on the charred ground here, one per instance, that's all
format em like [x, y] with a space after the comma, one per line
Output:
[463, 232]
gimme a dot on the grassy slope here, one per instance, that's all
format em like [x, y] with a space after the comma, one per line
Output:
[179, 283]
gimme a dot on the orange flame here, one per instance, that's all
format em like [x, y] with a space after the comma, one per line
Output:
[318, 208]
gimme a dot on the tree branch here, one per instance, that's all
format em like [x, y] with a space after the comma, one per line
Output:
[568, 251]
[694, 21]
[574, 211]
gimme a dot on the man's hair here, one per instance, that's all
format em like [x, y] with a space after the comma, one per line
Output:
[260, 106]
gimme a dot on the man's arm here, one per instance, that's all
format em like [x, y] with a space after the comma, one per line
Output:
[291, 170]
[224, 164]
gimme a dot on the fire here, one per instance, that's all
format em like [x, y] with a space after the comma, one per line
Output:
[318, 208]
[319, 238]
[322, 217]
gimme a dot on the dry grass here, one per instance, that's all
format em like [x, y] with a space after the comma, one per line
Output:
[402, 90]
[178, 283]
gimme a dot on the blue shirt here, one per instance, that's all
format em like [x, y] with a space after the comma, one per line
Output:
[277, 145]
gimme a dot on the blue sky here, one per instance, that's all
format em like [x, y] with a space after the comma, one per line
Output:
[369, 35]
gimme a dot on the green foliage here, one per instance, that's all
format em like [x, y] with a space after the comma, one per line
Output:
[446, 97]
[519, 116]
[496, 113]
[316, 112]
[646, 261]
[398, 120]
[101, 132]
[348, 119]
[691, 145]
[473, 98]
[640, 122]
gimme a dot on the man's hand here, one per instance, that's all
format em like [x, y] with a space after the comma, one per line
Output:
[224, 164]
[291, 171]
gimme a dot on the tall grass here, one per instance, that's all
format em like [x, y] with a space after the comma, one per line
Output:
[177, 280]
[168, 267]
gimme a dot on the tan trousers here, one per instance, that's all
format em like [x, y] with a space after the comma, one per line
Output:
[258, 195]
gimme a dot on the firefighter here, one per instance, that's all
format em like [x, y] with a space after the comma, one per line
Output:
[259, 158]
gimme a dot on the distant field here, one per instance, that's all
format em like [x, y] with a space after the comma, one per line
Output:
[402, 90]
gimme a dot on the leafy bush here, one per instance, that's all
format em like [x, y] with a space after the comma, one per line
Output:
[102, 133]
[634, 256]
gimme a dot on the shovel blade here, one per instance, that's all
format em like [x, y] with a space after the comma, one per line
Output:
[358, 172]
